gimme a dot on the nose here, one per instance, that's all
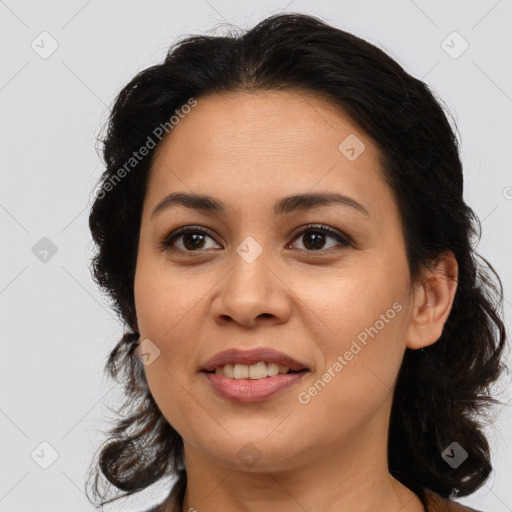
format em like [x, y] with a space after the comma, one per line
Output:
[252, 292]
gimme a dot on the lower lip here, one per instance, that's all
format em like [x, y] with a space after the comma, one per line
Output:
[249, 390]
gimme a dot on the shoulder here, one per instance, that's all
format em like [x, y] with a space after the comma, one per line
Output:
[436, 503]
[161, 507]
[168, 505]
[157, 508]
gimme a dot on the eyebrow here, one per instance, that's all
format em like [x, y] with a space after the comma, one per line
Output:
[298, 202]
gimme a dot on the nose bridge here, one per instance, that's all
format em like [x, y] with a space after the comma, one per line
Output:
[251, 288]
[251, 266]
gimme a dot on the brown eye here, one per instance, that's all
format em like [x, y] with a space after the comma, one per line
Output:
[192, 239]
[314, 238]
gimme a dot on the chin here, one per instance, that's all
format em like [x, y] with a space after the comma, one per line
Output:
[254, 452]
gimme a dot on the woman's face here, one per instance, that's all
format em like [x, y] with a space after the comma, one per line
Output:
[256, 277]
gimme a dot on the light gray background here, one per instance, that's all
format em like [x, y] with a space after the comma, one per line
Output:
[57, 329]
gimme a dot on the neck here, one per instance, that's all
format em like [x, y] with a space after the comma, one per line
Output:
[354, 476]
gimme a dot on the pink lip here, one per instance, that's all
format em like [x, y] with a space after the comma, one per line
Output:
[248, 390]
[252, 356]
[252, 390]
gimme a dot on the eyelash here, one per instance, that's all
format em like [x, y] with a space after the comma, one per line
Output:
[166, 242]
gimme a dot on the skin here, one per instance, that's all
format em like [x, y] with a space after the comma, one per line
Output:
[248, 150]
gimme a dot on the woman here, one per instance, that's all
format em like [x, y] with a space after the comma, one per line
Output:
[281, 227]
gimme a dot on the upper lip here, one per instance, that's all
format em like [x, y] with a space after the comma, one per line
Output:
[252, 356]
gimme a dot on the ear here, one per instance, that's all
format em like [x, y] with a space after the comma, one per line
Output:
[432, 301]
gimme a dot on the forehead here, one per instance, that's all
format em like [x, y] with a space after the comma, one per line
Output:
[290, 125]
[267, 145]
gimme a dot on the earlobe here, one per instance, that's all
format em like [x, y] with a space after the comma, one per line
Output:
[432, 302]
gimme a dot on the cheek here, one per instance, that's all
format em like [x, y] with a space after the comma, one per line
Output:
[168, 316]
[361, 329]
[166, 302]
[361, 362]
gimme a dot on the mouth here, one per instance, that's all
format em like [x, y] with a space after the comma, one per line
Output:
[257, 360]
[252, 375]
[260, 370]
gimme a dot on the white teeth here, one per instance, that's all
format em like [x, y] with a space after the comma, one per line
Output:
[256, 371]
[241, 371]
[273, 369]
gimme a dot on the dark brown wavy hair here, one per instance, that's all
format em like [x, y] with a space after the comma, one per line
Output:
[443, 389]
